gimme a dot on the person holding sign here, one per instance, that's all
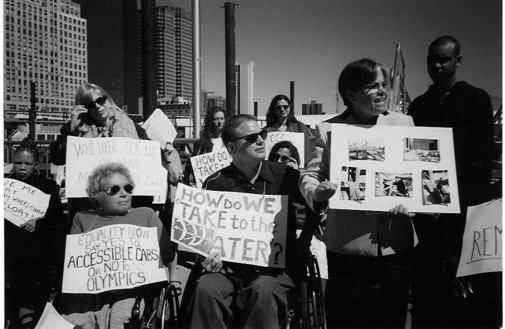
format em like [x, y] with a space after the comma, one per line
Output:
[286, 153]
[210, 139]
[253, 296]
[368, 253]
[110, 188]
[281, 117]
[33, 251]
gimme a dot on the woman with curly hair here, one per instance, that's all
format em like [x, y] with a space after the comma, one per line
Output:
[281, 117]
[34, 250]
[210, 139]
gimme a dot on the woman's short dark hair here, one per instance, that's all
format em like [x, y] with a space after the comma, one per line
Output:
[28, 145]
[228, 132]
[271, 117]
[358, 74]
[284, 145]
[103, 171]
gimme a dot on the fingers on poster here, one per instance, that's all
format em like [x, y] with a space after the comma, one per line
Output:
[436, 188]
[353, 183]
[393, 184]
[368, 149]
[421, 149]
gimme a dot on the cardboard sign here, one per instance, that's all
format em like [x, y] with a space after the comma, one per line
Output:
[141, 157]
[482, 241]
[376, 168]
[23, 202]
[112, 257]
[298, 140]
[206, 164]
[245, 228]
[159, 128]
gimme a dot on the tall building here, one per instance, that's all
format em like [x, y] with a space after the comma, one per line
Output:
[174, 53]
[245, 88]
[312, 108]
[113, 48]
[45, 43]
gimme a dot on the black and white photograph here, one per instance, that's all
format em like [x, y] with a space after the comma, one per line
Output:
[436, 188]
[421, 149]
[372, 149]
[353, 184]
[393, 184]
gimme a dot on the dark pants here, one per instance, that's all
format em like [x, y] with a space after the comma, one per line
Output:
[367, 292]
[261, 303]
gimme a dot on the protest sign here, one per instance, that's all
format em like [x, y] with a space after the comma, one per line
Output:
[112, 257]
[245, 228]
[482, 241]
[23, 202]
[159, 128]
[206, 164]
[298, 140]
[378, 167]
[141, 157]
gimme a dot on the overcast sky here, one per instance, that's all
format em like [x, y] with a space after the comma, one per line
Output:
[310, 42]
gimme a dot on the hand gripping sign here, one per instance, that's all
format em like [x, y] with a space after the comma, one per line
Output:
[245, 228]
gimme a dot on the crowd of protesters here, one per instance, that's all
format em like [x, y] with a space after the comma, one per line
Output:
[378, 262]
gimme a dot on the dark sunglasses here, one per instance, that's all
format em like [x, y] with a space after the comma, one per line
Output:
[280, 107]
[284, 158]
[100, 101]
[252, 138]
[128, 188]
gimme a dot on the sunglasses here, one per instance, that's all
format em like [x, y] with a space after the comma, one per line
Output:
[100, 101]
[252, 138]
[128, 188]
[280, 107]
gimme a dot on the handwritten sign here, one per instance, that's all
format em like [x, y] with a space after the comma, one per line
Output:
[206, 164]
[298, 140]
[245, 228]
[23, 202]
[159, 128]
[482, 241]
[112, 257]
[141, 157]
[376, 168]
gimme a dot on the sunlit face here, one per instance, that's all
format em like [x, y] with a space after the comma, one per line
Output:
[114, 204]
[218, 122]
[242, 149]
[282, 109]
[98, 112]
[372, 99]
[442, 62]
[24, 165]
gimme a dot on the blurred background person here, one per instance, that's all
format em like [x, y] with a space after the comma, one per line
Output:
[281, 117]
[286, 153]
[34, 251]
[110, 187]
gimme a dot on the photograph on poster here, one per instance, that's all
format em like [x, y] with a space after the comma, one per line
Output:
[352, 184]
[421, 149]
[369, 149]
[393, 184]
[436, 188]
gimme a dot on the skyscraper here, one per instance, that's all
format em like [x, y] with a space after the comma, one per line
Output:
[45, 43]
[174, 46]
[245, 88]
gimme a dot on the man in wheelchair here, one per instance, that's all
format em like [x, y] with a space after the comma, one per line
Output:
[238, 295]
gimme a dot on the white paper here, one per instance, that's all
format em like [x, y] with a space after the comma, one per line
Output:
[23, 202]
[51, 319]
[159, 128]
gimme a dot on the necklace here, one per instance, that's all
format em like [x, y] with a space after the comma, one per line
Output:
[107, 131]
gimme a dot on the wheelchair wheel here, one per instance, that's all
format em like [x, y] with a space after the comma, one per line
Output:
[313, 311]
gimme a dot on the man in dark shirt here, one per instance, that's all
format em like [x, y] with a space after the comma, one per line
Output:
[467, 110]
[238, 294]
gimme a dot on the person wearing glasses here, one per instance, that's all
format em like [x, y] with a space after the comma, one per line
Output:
[286, 153]
[109, 188]
[238, 295]
[368, 253]
[281, 117]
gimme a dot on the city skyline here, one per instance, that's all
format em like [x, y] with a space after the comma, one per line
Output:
[310, 42]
